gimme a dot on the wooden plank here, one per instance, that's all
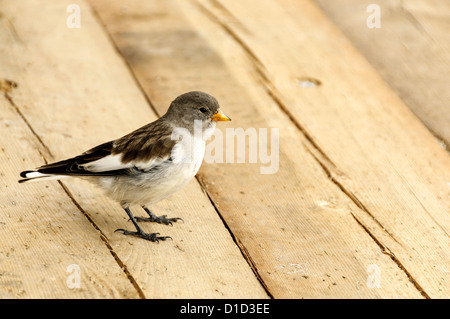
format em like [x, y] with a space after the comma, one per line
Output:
[45, 238]
[75, 92]
[409, 50]
[302, 233]
[397, 173]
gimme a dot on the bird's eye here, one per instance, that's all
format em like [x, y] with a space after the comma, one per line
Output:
[203, 110]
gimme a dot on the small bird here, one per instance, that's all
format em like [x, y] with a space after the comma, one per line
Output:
[148, 164]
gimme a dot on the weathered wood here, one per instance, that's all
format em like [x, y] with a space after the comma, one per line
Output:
[361, 187]
[368, 142]
[314, 228]
[410, 51]
[44, 238]
[74, 91]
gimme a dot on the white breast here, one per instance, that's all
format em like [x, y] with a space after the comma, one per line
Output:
[187, 156]
[189, 153]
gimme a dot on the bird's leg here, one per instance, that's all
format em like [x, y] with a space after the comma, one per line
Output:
[139, 232]
[157, 219]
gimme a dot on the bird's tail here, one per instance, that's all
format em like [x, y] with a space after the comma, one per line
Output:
[34, 175]
[73, 166]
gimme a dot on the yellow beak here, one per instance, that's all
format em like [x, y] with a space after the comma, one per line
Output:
[220, 116]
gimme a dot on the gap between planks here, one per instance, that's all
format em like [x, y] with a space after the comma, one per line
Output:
[237, 242]
[273, 93]
[327, 165]
[385, 250]
[66, 190]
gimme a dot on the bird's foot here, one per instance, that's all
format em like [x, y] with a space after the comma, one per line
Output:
[157, 219]
[151, 237]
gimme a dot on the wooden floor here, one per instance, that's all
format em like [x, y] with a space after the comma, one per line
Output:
[358, 208]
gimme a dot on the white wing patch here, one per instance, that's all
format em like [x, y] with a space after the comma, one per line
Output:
[36, 176]
[114, 162]
[107, 163]
[145, 166]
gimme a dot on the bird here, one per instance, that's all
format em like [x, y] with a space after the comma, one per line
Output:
[148, 164]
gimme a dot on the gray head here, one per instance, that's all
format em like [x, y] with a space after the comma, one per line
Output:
[192, 106]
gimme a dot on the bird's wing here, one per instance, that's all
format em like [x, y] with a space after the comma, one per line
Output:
[79, 165]
[142, 149]
[146, 147]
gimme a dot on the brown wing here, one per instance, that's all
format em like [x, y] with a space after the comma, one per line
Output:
[150, 143]
[74, 165]
[142, 149]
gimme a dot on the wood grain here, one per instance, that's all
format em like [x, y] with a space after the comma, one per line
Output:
[44, 236]
[74, 91]
[358, 207]
[368, 142]
[409, 50]
[313, 228]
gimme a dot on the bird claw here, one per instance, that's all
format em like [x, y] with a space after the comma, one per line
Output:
[159, 219]
[148, 236]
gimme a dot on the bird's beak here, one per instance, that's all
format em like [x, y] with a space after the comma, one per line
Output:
[220, 116]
